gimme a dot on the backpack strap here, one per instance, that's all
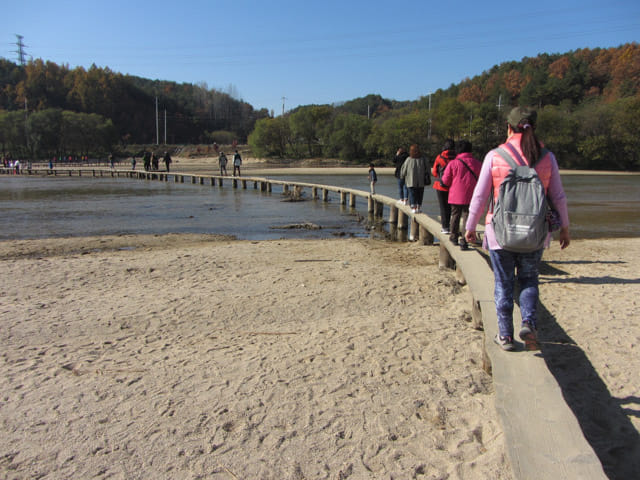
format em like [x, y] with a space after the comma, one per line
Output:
[506, 157]
[469, 168]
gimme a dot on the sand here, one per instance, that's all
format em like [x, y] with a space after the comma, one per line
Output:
[203, 357]
[194, 356]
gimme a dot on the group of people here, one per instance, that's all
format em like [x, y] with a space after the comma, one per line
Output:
[467, 188]
[13, 165]
[150, 161]
[237, 162]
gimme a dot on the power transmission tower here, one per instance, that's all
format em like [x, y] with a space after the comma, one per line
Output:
[20, 51]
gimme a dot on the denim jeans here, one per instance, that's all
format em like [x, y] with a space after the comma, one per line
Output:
[416, 195]
[507, 266]
[403, 191]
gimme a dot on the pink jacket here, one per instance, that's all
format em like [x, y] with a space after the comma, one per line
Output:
[494, 168]
[459, 178]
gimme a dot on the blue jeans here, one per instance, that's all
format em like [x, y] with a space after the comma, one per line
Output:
[505, 265]
[402, 189]
[416, 195]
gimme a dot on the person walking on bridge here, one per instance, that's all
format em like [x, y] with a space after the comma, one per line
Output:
[237, 161]
[525, 149]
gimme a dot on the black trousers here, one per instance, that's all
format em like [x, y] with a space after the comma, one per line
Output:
[445, 208]
[458, 212]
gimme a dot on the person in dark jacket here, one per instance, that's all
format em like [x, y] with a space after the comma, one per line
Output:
[398, 160]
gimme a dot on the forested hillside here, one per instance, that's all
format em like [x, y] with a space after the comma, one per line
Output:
[47, 109]
[588, 103]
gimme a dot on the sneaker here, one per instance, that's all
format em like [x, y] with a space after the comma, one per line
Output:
[529, 336]
[505, 343]
[445, 231]
[414, 210]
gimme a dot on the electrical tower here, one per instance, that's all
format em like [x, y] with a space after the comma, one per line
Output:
[20, 50]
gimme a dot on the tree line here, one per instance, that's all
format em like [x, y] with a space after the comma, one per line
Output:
[47, 109]
[588, 102]
[588, 105]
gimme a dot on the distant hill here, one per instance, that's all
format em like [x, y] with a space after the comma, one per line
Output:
[588, 102]
[193, 112]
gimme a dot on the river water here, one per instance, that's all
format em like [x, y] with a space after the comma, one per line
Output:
[41, 207]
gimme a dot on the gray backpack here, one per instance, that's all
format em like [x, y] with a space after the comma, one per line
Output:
[520, 214]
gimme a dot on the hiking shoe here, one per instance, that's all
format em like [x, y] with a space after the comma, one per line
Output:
[505, 343]
[529, 336]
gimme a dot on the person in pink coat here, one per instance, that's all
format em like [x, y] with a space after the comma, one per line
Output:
[461, 176]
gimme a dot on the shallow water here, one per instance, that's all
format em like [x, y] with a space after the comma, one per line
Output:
[41, 207]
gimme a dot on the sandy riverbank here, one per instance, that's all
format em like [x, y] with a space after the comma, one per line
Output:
[187, 356]
[181, 357]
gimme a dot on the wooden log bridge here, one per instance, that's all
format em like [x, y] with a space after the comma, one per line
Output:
[542, 435]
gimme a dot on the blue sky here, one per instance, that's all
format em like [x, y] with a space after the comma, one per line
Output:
[310, 52]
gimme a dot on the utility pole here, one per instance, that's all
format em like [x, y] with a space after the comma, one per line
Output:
[157, 129]
[165, 126]
[283, 99]
[429, 135]
[20, 50]
[499, 109]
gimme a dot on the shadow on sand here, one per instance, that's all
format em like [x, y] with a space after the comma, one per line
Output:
[604, 419]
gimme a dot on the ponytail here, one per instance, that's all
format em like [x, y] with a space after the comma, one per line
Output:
[529, 143]
[522, 120]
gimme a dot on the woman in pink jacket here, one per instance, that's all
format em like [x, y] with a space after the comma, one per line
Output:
[461, 176]
[509, 265]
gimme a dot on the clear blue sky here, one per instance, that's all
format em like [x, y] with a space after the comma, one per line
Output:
[310, 52]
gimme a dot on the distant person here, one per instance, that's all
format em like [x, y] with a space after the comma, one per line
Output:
[524, 148]
[111, 164]
[16, 166]
[133, 162]
[51, 163]
[167, 160]
[373, 178]
[448, 153]
[237, 161]
[222, 162]
[155, 162]
[398, 160]
[460, 176]
[415, 172]
[146, 161]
